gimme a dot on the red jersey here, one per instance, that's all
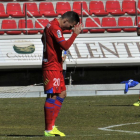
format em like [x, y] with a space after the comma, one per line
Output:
[52, 51]
[54, 43]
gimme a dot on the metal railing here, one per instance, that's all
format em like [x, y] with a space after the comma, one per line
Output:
[82, 10]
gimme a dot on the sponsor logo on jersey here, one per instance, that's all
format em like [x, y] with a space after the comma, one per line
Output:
[59, 33]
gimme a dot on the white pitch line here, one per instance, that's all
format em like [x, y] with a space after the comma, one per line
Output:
[112, 126]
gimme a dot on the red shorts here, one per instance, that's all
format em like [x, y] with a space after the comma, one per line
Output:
[53, 82]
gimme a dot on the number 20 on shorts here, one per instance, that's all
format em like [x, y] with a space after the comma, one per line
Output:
[56, 82]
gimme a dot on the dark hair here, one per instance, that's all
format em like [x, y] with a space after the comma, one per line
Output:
[71, 16]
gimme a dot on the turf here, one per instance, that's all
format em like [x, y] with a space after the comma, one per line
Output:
[79, 118]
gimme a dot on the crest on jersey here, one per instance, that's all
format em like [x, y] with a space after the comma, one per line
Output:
[59, 33]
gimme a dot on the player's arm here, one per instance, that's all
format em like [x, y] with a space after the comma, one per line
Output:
[65, 45]
[63, 58]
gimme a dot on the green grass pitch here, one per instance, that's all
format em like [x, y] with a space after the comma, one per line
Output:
[79, 118]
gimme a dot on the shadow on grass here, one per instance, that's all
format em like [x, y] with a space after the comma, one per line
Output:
[23, 135]
[113, 105]
[29, 136]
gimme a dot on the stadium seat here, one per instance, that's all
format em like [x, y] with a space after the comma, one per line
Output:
[1, 32]
[113, 7]
[62, 7]
[77, 7]
[137, 21]
[138, 7]
[2, 11]
[32, 8]
[47, 9]
[91, 23]
[10, 24]
[14, 10]
[21, 25]
[128, 6]
[126, 21]
[110, 22]
[6, 0]
[97, 8]
[44, 22]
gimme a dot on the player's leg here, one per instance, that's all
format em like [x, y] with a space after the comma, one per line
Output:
[57, 106]
[60, 98]
[49, 111]
[49, 102]
[51, 86]
[58, 102]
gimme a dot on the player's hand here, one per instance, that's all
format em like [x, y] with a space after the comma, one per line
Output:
[77, 28]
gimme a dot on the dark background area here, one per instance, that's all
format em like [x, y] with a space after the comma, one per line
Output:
[87, 75]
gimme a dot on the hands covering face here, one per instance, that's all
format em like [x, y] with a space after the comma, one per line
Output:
[77, 28]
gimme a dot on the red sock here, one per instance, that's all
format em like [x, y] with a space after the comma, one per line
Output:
[57, 106]
[49, 113]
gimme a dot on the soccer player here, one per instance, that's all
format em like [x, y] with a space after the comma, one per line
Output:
[54, 85]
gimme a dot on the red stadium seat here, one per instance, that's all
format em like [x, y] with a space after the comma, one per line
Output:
[138, 7]
[126, 21]
[10, 24]
[2, 11]
[21, 25]
[137, 21]
[77, 7]
[110, 22]
[97, 8]
[113, 7]
[62, 7]
[6, 0]
[32, 8]
[14, 10]
[91, 23]
[47, 9]
[44, 22]
[128, 6]
[1, 32]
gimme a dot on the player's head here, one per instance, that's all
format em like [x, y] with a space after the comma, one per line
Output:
[69, 20]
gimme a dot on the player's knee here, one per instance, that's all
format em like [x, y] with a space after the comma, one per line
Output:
[63, 94]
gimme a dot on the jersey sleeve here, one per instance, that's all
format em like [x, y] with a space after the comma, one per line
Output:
[57, 34]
